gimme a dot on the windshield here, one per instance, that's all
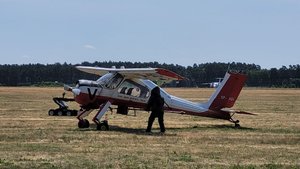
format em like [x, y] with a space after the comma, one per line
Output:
[110, 80]
[105, 78]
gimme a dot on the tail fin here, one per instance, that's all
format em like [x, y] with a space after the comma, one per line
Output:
[227, 92]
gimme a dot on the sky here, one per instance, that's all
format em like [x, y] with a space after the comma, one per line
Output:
[263, 32]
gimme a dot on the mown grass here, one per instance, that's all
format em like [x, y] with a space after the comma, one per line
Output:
[29, 138]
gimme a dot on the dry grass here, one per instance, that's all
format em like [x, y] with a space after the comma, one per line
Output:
[29, 138]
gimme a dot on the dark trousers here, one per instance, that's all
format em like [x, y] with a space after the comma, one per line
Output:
[160, 116]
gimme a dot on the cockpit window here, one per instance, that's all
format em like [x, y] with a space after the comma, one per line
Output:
[134, 89]
[110, 80]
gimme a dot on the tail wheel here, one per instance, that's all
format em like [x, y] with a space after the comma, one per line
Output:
[237, 125]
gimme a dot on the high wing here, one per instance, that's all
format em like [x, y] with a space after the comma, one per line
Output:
[155, 74]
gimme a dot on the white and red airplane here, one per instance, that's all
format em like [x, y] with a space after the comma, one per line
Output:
[131, 88]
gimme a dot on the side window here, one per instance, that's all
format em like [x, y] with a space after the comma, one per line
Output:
[134, 89]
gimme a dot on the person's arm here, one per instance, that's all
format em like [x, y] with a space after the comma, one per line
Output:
[149, 104]
[163, 103]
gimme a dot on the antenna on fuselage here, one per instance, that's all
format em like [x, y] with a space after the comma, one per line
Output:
[228, 68]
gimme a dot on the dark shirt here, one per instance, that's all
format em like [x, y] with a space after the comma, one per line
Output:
[156, 104]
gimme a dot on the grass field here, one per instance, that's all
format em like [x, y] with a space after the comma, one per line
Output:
[29, 138]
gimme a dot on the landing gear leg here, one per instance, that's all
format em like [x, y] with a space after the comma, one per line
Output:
[102, 125]
[83, 123]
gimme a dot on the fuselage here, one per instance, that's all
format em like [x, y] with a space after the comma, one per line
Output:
[130, 92]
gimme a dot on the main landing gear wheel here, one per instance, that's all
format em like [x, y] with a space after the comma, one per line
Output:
[83, 123]
[103, 126]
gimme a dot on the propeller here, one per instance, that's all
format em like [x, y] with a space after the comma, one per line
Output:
[67, 88]
[71, 89]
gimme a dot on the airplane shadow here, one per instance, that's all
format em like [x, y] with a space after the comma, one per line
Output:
[170, 131]
[137, 131]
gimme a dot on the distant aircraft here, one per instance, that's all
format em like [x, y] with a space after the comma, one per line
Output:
[214, 84]
[131, 88]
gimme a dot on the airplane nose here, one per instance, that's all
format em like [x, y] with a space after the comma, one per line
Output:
[67, 88]
[76, 91]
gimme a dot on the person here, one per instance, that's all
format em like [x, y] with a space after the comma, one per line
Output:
[156, 106]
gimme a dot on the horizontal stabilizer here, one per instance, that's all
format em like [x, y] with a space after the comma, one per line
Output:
[243, 112]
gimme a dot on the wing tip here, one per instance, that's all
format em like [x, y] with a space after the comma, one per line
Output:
[168, 73]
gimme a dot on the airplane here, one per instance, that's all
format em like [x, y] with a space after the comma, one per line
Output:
[214, 84]
[129, 88]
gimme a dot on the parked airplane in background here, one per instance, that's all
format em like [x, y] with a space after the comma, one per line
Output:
[214, 84]
[131, 88]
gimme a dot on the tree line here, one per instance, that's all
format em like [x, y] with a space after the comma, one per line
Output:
[196, 75]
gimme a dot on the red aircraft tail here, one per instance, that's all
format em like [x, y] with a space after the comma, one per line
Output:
[227, 92]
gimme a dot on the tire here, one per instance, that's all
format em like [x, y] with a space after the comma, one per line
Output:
[60, 113]
[51, 112]
[83, 124]
[237, 126]
[103, 126]
[86, 123]
[74, 113]
[69, 113]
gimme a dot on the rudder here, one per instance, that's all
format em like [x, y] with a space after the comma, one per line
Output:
[227, 92]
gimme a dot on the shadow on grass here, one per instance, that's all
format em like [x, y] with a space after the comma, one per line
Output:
[137, 131]
[170, 131]
[230, 127]
[140, 131]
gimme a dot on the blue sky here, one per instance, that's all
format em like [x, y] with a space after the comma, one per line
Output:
[264, 32]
